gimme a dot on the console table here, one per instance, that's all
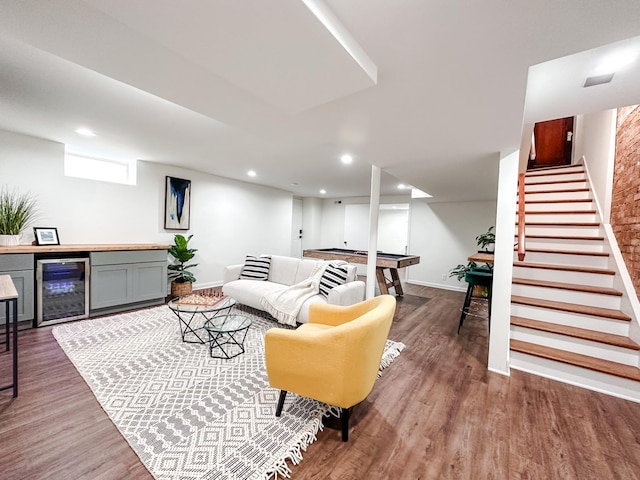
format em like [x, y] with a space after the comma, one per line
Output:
[9, 296]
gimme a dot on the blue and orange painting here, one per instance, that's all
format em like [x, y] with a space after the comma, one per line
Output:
[178, 201]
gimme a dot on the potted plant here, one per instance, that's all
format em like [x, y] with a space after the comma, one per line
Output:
[461, 270]
[17, 212]
[486, 240]
[181, 278]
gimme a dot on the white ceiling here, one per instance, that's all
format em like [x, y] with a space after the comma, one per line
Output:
[439, 88]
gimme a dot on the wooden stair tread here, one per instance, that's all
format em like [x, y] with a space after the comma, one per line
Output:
[538, 174]
[585, 361]
[555, 167]
[564, 190]
[555, 182]
[564, 237]
[562, 224]
[558, 212]
[575, 332]
[566, 252]
[565, 268]
[571, 307]
[568, 286]
[566, 200]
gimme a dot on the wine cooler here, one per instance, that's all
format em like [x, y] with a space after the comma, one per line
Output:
[62, 289]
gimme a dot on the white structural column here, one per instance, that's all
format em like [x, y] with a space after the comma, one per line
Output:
[373, 231]
[503, 264]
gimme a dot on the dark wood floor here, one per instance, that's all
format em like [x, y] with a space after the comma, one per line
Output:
[436, 413]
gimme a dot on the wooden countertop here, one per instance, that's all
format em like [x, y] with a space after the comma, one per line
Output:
[89, 247]
[481, 257]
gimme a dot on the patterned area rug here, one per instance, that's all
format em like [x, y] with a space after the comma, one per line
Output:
[185, 414]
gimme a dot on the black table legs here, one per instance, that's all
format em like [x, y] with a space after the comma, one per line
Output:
[13, 302]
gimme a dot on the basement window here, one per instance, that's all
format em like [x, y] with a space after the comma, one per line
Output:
[102, 169]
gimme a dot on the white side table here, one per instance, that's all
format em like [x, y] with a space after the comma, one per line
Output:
[9, 296]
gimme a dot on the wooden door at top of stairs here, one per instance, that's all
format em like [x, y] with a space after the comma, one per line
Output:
[553, 143]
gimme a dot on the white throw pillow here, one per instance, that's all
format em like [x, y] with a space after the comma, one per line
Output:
[256, 268]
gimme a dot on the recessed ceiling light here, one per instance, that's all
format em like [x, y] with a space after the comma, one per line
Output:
[85, 132]
[251, 173]
[346, 159]
[402, 186]
[598, 80]
[323, 191]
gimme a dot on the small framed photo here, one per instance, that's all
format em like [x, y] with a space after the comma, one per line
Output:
[46, 235]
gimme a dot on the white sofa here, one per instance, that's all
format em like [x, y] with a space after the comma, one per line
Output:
[284, 272]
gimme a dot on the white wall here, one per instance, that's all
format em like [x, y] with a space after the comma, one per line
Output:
[503, 264]
[444, 235]
[595, 140]
[333, 218]
[229, 218]
[393, 231]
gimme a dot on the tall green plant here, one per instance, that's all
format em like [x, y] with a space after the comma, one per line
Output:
[180, 250]
[17, 211]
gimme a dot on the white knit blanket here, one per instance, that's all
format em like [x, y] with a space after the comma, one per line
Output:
[285, 304]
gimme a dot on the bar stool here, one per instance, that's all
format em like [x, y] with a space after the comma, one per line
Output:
[481, 276]
[9, 296]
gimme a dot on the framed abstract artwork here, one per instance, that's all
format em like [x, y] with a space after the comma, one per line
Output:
[177, 204]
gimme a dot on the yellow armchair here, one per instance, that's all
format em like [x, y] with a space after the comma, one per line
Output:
[335, 357]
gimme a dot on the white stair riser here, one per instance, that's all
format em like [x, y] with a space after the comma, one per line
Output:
[582, 377]
[575, 244]
[593, 279]
[582, 217]
[554, 207]
[567, 296]
[555, 178]
[603, 351]
[542, 187]
[554, 171]
[599, 324]
[557, 196]
[555, 230]
[590, 261]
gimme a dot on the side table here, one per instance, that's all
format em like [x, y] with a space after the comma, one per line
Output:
[193, 317]
[226, 335]
[9, 296]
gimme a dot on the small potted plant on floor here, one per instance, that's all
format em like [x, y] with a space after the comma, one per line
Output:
[17, 212]
[181, 278]
[486, 241]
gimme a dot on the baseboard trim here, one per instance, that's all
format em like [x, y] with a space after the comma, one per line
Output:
[438, 285]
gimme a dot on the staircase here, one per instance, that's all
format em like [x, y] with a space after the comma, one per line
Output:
[566, 321]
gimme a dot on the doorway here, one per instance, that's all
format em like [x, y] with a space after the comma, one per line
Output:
[552, 143]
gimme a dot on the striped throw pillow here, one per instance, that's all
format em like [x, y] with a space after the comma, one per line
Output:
[256, 268]
[335, 274]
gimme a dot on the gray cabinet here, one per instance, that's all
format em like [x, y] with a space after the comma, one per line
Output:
[20, 267]
[125, 279]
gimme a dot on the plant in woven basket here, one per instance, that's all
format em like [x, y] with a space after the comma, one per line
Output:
[181, 277]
